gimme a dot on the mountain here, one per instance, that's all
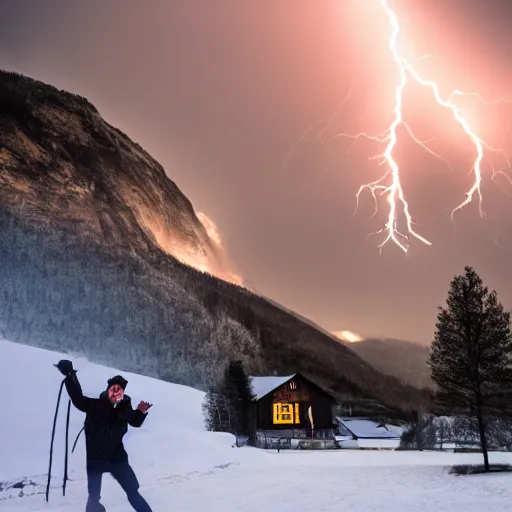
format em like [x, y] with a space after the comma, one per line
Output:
[61, 161]
[97, 249]
[403, 359]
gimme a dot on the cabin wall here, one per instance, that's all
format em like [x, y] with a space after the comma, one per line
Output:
[295, 397]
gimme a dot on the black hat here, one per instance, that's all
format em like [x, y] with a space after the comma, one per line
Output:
[117, 380]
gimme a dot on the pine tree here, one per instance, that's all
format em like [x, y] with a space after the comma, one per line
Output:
[226, 404]
[238, 392]
[471, 354]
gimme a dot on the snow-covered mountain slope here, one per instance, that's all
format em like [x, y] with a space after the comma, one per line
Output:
[180, 466]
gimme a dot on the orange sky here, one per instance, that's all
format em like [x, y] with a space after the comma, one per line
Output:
[219, 92]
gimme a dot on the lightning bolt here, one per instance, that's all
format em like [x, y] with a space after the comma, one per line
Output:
[390, 183]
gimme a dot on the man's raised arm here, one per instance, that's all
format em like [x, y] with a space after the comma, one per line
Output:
[73, 387]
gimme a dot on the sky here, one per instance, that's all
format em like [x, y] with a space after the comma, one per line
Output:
[221, 94]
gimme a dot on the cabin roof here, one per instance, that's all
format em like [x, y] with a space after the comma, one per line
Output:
[262, 386]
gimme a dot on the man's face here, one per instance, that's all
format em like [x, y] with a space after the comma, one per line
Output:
[115, 393]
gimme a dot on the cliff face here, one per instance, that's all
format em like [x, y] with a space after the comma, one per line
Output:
[93, 236]
[61, 161]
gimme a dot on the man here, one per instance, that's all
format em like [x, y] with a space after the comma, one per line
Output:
[106, 422]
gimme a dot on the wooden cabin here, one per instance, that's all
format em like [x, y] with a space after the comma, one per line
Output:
[289, 409]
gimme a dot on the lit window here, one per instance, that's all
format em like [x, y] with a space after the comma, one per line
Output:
[284, 413]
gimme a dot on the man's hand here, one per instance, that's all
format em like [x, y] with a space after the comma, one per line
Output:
[144, 406]
[65, 367]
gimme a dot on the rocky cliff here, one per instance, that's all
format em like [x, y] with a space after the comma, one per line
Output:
[61, 162]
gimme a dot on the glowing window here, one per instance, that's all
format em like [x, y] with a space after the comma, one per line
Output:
[284, 413]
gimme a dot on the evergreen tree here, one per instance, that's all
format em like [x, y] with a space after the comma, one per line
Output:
[238, 393]
[471, 354]
[226, 404]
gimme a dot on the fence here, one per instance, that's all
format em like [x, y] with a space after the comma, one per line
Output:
[296, 439]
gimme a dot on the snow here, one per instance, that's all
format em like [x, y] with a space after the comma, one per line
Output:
[370, 434]
[178, 462]
[367, 428]
[261, 386]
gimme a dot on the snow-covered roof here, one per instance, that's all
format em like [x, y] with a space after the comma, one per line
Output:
[262, 386]
[368, 429]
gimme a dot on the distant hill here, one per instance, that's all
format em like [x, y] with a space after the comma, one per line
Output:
[402, 359]
[94, 238]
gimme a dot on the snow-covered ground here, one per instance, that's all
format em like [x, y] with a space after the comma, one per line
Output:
[181, 467]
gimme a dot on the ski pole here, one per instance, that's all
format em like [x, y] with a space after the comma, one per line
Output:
[76, 440]
[51, 444]
[66, 452]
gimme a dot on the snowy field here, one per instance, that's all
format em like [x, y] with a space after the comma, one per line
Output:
[181, 467]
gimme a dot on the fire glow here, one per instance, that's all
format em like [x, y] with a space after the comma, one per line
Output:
[348, 336]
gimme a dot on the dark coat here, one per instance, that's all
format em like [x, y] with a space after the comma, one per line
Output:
[105, 424]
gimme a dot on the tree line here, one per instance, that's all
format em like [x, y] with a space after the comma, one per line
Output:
[430, 432]
[143, 311]
[61, 293]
